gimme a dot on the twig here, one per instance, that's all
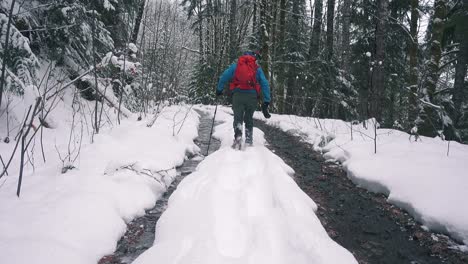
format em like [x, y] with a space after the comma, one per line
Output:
[3, 164]
[23, 149]
[16, 145]
[186, 114]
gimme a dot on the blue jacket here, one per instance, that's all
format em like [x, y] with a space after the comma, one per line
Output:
[261, 79]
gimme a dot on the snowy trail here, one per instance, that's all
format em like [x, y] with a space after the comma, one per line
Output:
[241, 207]
[140, 232]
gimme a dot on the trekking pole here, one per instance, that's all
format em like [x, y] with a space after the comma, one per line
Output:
[212, 126]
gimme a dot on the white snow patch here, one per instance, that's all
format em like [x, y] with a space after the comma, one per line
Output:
[79, 216]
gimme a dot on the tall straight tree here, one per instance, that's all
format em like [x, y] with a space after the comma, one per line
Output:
[265, 36]
[280, 50]
[345, 34]
[430, 123]
[139, 17]
[5, 51]
[329, 108]
[316, 30]
[330, 21]
[413, 56]
[460, 87]
[232, 31]
[296, 51]
[377, 79]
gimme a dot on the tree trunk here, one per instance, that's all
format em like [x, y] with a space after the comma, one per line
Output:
[232, 31]
[345, 34]
[330, 20]
[264, 35]
[273, 45]
[200, 36]
[316, 30]
[139, 17]
[459, 88]
[254, 39]
[5, 52]
[330, 108]
[282, 34]
[413, 56]
[430, 123]
[377, 79]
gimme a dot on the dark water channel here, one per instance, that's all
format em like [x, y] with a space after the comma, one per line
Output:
[140, 233]
[362, 222]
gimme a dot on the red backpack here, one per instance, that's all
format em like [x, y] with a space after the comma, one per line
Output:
[245, 76]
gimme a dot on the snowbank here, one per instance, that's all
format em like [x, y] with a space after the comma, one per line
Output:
[241, 207]
[78, 217]
[417, 176]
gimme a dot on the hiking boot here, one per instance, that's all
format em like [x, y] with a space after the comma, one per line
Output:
[237, 144]
[249, 137]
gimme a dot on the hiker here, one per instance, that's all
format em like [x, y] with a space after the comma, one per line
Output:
[247, 81]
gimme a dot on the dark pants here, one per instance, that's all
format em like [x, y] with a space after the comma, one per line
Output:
[244, 106]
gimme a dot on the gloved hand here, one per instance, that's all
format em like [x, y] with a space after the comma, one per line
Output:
[219, 93]
[265, 112]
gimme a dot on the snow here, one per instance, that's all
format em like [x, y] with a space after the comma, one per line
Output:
[79, 216]
[108, 5]
[438, 21]
[417, 176]
[132, 47]
[241, 207]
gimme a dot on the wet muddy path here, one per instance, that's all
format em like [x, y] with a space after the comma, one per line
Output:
[141, 231]
[362, 222]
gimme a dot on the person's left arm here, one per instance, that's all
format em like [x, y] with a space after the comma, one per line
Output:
[225, 77]
[264, 85]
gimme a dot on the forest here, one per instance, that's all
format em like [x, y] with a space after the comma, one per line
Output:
[116, 131]
[402, 62]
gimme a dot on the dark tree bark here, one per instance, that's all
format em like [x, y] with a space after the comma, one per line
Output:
[430, 123]
[139, 17]
[330, 27]
[377, 79]
[6, 53]
[413, 56]
[265, 37]
[273, 44]
[200, 34]
[232, 31]
[255, 21]
[282, 35]
[329, 108]
[316, 30]
[462, 61]
[345, 33]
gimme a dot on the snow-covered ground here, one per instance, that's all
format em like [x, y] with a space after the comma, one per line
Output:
[417, 176]
[241, 207]
[78, 217]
